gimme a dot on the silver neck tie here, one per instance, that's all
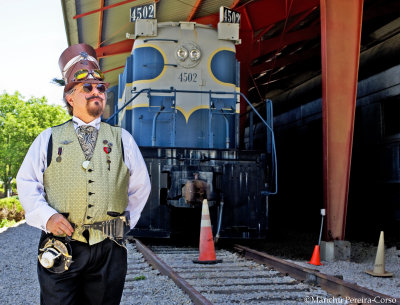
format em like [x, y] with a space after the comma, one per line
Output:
[87, 136]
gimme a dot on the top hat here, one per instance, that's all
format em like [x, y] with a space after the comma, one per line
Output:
[77, 57]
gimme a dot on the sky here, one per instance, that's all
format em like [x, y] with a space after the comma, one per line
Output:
[32, 38]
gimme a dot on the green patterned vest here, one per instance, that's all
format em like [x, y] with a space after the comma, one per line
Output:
[86, 194]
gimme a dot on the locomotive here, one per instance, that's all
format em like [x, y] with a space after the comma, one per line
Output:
[179, 97]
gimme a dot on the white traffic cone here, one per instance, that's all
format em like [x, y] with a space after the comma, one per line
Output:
[379, 266]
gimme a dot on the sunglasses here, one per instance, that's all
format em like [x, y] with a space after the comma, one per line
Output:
[83, 74]
[89, 87]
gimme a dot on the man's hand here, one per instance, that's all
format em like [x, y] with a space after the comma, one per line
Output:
[59, 225]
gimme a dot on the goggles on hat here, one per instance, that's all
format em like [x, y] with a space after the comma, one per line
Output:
[89, 87]
[83, 74]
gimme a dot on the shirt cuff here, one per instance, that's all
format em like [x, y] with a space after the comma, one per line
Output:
[40, 218]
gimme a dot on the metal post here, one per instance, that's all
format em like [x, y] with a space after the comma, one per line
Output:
[227, 138]
[220, 211]
[270, 121]
[153, 131]
[251, 133]
[340, 51]
[322, 225]
[210, 133]
[174, 120]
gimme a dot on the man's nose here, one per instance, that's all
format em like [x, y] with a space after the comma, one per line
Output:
[97, 91]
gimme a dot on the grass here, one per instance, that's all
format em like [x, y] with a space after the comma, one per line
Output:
[11, 211]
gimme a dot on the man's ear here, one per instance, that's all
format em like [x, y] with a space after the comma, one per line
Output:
[68, 98]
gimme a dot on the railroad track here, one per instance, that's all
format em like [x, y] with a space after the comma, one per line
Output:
[245, 277]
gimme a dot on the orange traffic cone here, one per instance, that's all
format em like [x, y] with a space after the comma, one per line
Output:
[207, 250]
[315, 257]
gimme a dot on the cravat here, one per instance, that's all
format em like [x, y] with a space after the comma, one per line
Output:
[87, 136]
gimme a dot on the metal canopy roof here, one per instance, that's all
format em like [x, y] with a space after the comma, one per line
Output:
[280, 47]
[280, 58]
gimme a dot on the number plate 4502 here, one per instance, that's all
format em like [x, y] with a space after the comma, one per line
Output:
[189, 77]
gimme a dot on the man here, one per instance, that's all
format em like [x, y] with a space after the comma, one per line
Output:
[75, 183]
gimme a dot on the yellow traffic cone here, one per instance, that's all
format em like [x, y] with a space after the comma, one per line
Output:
[379, 266]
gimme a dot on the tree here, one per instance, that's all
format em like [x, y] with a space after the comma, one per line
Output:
[20, 123]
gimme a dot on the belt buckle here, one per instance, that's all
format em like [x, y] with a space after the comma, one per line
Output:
[79, 228]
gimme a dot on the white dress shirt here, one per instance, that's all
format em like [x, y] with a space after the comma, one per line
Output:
[30, 178]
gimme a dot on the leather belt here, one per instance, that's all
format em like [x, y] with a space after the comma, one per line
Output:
[116, 229]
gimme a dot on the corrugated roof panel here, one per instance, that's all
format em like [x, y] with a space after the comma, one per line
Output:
[89, 29]
[116, 22]
[84, 6]
[174, 10]
[113, 62]
[209, 7]
[71, 26]
[115, 26]
[88, 26]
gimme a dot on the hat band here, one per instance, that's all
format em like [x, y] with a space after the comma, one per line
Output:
[75, 60]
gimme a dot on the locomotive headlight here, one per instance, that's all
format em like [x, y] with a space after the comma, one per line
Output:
[195, 54]
[187, 54]
[182, 53]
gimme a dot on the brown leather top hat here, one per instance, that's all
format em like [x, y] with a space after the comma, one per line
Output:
[79, 57]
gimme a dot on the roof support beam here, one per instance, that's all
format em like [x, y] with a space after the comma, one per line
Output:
[102, 9]
[253, 19]
[276, 43]
[208, 20]
[194, 10]
[117, 68]
[264, 13]
[234, 4]
[100, 24]
[270, 45]
[300, 18]
[263, 32]
[214, 18]
[246, 17]
[124, 46]
[340, 51]
[285, 61]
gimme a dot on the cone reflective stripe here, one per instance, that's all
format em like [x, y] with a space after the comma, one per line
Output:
[205, 216]
[315, 257]
[379, 266]
[206, 246]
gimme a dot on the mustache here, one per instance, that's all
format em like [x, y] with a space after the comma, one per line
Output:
[94, 97]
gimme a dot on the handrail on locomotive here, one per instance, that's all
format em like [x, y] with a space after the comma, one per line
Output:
[269, 116]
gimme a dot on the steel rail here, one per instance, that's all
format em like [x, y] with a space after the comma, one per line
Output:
[329, 283]
[157, 263]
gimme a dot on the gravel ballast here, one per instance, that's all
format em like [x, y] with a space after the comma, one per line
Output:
[363, 258]
[19, 284]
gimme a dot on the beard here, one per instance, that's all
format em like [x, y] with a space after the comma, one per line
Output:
[94, 108]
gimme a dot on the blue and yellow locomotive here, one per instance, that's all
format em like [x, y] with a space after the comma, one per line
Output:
[179, 97]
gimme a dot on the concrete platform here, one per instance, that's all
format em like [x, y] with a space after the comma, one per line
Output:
[335, 250]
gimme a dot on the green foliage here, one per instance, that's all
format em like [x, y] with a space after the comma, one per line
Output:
[6, 223]
[20, 123]
[11, 203]
[139, 278]
[11, 211]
